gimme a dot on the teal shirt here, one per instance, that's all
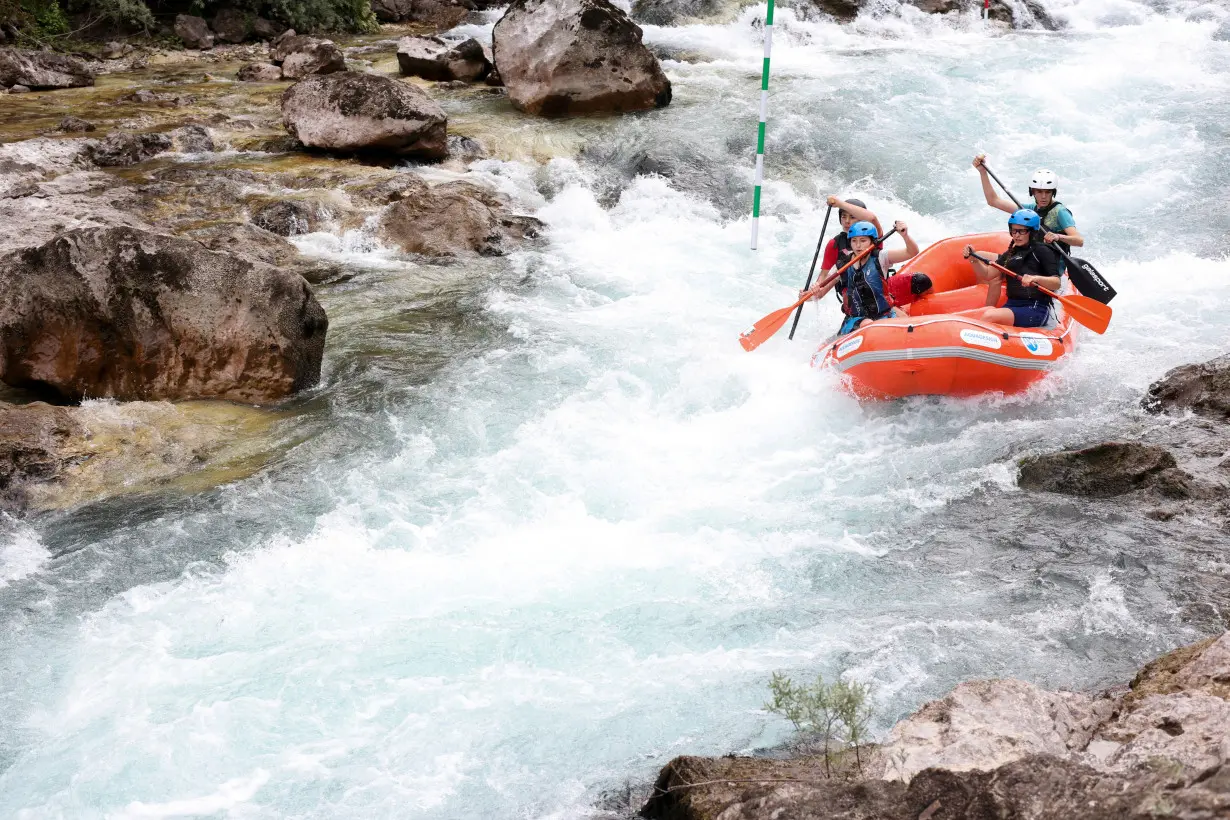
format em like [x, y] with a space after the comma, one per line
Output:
[1058, 220]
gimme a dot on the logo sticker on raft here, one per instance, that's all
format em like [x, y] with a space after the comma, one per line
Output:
[1036, 344]
[849, 346]
[980, 338]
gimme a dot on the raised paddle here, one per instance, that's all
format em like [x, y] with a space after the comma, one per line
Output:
[760, 332]
[819, 244]
[1084, 275]
[1089, 312]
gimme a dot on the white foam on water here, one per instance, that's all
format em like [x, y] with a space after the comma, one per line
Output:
[590, 544]
[21, 553]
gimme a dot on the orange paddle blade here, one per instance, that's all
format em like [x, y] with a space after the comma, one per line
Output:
[763, 330]
[1089, 312]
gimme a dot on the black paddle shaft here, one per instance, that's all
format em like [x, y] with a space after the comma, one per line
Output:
[1084, 275]
[819, 244]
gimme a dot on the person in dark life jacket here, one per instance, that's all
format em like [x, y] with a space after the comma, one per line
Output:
[865, 298]
[1036, 262]
[1058, 224]
[837, 252]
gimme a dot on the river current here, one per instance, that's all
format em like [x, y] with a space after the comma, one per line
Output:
[545, 524]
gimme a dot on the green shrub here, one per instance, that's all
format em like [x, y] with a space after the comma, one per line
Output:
[836, 713]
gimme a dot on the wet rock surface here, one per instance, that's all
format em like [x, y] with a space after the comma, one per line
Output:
[365, 113]
[433, 59]
[1203, 389]
[1002, 749]
[126, 314]
[563, 57]
[259, 73]
[455, 219]
[42, 70]
[1101, 471]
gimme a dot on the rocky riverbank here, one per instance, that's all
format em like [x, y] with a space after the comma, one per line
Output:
[1009, 749]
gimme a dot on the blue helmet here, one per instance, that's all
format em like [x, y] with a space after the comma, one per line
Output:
[867, 229]
[1026, 217]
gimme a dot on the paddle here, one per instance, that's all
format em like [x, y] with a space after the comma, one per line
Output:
[812, 270]
[1089, 312]
[1084, 275]
[761, 332]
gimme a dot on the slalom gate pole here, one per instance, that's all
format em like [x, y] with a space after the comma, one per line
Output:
[986, 8]
[764, 113]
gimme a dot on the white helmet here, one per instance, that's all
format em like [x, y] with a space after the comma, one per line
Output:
[1044, 180]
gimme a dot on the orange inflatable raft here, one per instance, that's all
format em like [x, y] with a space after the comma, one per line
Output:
[930, 349]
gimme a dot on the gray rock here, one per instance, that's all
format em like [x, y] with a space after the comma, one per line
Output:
[454, 219]
[231, 25]
[263, 29]
[126, 148]
[19, 89]
[353, 112]
[1202, 388]
[259, 73]
[432, 59]
[304, 56]
[42, 70]
[75, 125]
[114, 50]
[671, 12]
[562, 57]
[437, 15]
[33, 439]
[192, 139]
[288, 217]
[1103, 471]
[127, 314]
[193, 31]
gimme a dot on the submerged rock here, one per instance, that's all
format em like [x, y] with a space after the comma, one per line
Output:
[33, 441]
[433, 59]
[259, 73]
[1202, 388]
[192, 139]
[127, 314]
[454, 219]
[193, 31]
[1102, 471]
[354, 112]
[126, 148]
[288, 217]
[42, 70]
[562, 57]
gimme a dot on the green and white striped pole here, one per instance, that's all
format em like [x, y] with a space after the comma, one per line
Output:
[764, 113]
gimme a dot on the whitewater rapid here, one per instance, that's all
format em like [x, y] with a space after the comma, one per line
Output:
[550, 525]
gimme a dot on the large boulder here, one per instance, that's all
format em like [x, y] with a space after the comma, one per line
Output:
[42, 69]
[433, 59]
[561, 57]
[1103, 471]
[353, 112]
[670, 12]
[1202, 388]
[454, 219]
[193, 31]
[232, 25]
[126, 314]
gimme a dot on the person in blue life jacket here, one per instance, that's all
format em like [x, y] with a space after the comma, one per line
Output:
[1058, 224]
[865, 297]
[1036, 262]
[837, 252]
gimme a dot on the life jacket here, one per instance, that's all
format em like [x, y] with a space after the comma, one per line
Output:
[1025, 262]
[1051, 223]
[864, 290]
[844, 254]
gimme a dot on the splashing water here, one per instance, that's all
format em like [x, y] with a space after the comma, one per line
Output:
[548, 524]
